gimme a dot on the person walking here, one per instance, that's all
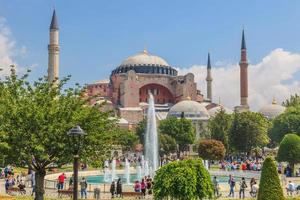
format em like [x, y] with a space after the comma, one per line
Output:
[112, 189]
[83, 187]
[61, 181]
[97, 193]
[71, 182]
[143, 188]
[243, 186]
[231, 183]
[216, 186]
[119, 188]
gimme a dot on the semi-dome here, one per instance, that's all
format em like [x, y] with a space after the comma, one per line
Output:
[190, 109]
[213, 111]
[272, 110]
[145, 63]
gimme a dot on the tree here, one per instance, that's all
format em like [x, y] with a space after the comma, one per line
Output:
[289, 149]
[248, 131]
[269, 184]
[293, 101]
[288, 122]
[35, 118]
[125, 138]
[182, 130]
[141, 130]
[211, 150]
[219, 127]
[167, 143]
[184, 180]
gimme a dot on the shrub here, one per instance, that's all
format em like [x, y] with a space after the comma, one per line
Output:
[211, 150]
[184, 180]
[269, 186]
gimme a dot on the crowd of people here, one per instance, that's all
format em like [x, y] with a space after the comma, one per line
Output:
[11, 181]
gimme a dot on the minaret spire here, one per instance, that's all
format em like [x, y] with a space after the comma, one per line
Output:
[53, 50]
[244, 73]
[209, 79]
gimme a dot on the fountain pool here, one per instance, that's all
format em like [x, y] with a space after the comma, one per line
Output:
[99, 179]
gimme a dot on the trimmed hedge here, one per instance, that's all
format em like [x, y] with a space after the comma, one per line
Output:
[183, 180]
[269, 185]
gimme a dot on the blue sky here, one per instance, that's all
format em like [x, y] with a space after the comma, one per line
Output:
[97, 35]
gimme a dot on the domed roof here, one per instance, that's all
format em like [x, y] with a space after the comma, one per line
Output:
[144, 58]
[213, 111]
[190, 109]
[272, 110]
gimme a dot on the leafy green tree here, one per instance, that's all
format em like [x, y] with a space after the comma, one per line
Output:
[289, 150]
[248, 131]
[125, 138]
[288, 122]
[182, 130]
[35, 118]
[141, 130]
[219, 127]
[269, 184]
[211, 149]
[167, 143]
[293, 101]
[184, 180]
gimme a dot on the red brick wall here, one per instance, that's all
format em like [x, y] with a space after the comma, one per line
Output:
[161, 94]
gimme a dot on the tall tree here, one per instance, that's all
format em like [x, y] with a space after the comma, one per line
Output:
[167, 143]
[141, 130]
[289, 149]
[219, 127]
[35, 119]
[248, 131]
[288, 122]
[182, 130]
[125, 138]
[293, 101]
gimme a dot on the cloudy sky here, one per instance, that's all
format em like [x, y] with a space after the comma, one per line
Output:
[97, 35]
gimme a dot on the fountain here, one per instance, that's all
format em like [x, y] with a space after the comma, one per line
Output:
[106, 175]
[151, 139]
[139, 172]
[127, 171]
[113, 170]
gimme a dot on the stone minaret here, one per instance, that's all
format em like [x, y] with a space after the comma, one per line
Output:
[53, 50]
[244, 74]
[209, 79]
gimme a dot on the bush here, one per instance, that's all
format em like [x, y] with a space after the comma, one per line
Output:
[211, 150]
[269, 186]
[185, 180]
[289, 150]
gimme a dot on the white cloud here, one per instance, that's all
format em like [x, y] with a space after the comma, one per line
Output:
[8, 49]
[274, 76]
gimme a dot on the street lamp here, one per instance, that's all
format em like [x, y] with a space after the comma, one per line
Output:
[76, 134]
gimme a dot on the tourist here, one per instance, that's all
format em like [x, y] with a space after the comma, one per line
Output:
[83, 187]
[21, 187]
[290, 188]
[137, 186]
[254, 188]
[119, 188]
[231, 183]
[216, 186]
[243, 186]
[61, 181]
[149, 185]
[97, 193]
[112, 189]
[71, 182]
[143, 187]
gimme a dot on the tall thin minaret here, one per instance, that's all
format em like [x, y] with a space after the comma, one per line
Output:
[244, 74]
[209, 79]
[53, 50]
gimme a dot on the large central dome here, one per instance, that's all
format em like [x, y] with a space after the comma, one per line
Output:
[145, 63]
[144, 58]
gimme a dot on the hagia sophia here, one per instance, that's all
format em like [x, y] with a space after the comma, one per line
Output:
[126, 90]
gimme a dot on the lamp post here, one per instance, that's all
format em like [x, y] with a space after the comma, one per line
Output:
[76, 134]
